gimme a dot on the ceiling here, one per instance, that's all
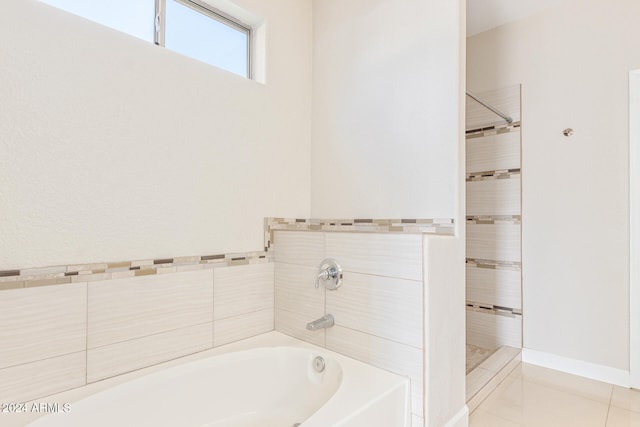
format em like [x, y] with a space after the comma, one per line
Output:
[483, 15]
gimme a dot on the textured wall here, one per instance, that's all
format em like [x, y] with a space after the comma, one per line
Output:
[112, 148]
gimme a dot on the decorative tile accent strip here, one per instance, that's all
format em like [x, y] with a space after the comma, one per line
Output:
[494, 265]
[444, 226]
[59, 275]
[496, 310]
[495, 219]
[9, 273]
[493, 130]
[493, 175]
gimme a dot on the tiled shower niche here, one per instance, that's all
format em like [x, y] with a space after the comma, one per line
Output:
[493, 247]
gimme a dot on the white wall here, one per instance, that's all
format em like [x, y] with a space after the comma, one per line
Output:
[388, 143]
[385, 109]
[573, 62]
[114, 149]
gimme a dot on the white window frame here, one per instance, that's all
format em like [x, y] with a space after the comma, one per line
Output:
[210, 12]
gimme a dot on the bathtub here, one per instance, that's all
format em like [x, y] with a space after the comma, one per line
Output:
[267, 381]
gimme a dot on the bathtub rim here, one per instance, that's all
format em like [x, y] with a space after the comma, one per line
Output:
[265, 340]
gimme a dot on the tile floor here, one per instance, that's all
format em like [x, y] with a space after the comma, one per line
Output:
[532, 396]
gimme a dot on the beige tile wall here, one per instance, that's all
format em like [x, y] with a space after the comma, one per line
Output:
[493, 152]
[61, 337]
[371, 304]
[390, 255]
[378, 310]
[43, 335]
[493, 211]
[118, 358]
[490, 330]
[297, 301]
[67, 335]
[40, 323]
[43, 377]
[127, 309]
[493, 242]
[242, 302]
[493, 197]
[496, 286]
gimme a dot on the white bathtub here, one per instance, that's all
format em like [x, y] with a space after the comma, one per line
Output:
[267, 381]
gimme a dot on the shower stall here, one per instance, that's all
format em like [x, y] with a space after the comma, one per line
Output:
[493, 247]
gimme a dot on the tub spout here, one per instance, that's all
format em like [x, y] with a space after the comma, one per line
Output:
[321, 323]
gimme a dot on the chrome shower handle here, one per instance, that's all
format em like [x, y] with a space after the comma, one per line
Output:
[326, 274]
[330, 271]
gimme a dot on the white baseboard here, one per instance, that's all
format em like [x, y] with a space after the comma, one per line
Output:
[577, 367]
[461, 419]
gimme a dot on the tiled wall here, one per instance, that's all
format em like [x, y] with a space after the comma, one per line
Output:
[378, 310]
[65, 326]
[442, 226]
[59, 337]
[80, 273]
[494, 309]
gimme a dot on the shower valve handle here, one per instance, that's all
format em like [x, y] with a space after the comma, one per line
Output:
[330, 273]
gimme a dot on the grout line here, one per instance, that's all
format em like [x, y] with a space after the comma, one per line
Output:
[356, 272]
[86, 337]
[606, 420]
[324, 289]
[242, 314]
[379, 337]
[150, 366]
[273, 302]
[42, 360]
[426, 396]
[296, 264]
[151, 335]
[213, 305]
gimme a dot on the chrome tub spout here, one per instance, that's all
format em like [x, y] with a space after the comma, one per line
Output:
[321, 323]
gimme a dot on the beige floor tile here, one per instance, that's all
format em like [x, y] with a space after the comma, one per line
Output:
[484, 419]
[517, 372]
[488, 388]
[626, 399]
[536, 405]
[584, 387]
[619, 417]
[477, 379]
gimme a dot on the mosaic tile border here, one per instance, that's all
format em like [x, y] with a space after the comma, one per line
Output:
[60, 275]
[494, 309]
[493, 130]
[441, 226]
[75, 273]
[494, 265]
[494, 219]
[493, 175]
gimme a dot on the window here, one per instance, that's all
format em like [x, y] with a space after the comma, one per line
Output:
[134, 17]
[197, 31]
[190, 27]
